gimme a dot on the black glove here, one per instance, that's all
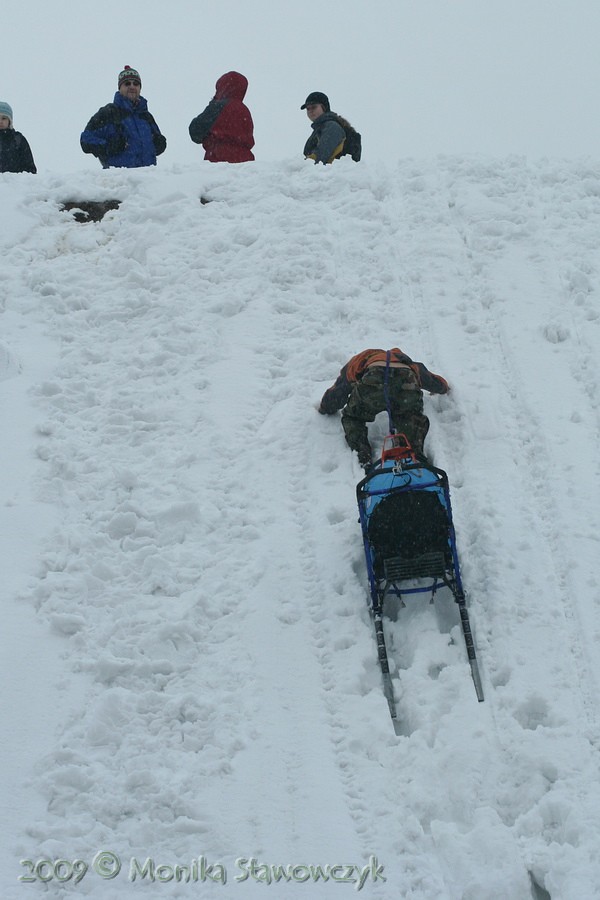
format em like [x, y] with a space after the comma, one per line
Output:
[325, 410]
[160, 143]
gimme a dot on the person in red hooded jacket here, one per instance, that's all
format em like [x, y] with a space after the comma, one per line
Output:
[225, 128]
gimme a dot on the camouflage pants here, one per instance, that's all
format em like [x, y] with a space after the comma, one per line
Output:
[368, 399]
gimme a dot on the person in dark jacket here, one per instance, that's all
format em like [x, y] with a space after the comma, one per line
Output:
[15, 152]
[124, 133]
[374, 381]
[332, 135]
[225, 128]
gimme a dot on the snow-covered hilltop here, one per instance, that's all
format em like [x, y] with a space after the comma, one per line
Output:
[189, 670]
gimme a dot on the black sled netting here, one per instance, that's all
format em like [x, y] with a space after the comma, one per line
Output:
[409, 535]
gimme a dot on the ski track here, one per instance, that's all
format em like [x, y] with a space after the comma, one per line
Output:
[159, 578]
[528, 443]
[538, 507]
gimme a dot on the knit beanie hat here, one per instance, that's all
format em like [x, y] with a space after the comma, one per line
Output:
[6, 110]
[127, 74]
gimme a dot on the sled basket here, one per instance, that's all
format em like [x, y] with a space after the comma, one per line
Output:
[408, 534]
[409, 541]
[429, 565]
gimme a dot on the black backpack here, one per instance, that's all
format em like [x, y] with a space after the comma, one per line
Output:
[407, 526]
[352, 144]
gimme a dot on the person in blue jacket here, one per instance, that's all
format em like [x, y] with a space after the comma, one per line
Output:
[124, 133]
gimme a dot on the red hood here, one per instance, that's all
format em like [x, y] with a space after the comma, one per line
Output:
[231, 86]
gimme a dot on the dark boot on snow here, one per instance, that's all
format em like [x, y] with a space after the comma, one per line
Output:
[364, 457]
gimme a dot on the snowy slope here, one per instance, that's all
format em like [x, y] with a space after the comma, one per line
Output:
[189, 664]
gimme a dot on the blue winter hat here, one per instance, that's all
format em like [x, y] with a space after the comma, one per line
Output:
[6, 110]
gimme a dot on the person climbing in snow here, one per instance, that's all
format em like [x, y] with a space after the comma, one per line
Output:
[15, 152]
[332, 135]
[374, 381]
[225, 128]
[124, 133]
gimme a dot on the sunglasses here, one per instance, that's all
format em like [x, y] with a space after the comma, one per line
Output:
[130, 83]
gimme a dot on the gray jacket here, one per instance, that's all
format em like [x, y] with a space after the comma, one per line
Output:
[326, 138]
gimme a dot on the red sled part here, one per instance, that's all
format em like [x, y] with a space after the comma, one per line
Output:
[396, 446]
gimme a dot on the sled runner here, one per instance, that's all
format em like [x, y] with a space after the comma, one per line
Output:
[409, 541]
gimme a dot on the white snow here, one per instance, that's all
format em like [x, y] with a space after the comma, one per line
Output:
[189, 667]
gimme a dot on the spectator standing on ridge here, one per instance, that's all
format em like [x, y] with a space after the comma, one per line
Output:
[225, 128]
[332, 135]
[124, 133]
[374, 381]
[15, 152]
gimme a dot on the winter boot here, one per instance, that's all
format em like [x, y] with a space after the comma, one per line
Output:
[364, 457]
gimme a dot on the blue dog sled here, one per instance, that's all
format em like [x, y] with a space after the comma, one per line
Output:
[409, 541]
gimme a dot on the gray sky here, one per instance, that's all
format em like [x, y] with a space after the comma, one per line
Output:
[415, 77]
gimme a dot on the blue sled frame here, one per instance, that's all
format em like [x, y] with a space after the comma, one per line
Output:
[409, 541]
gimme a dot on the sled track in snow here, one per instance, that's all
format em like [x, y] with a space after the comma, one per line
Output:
[320, 603]
[470, 311]
[526, 442]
